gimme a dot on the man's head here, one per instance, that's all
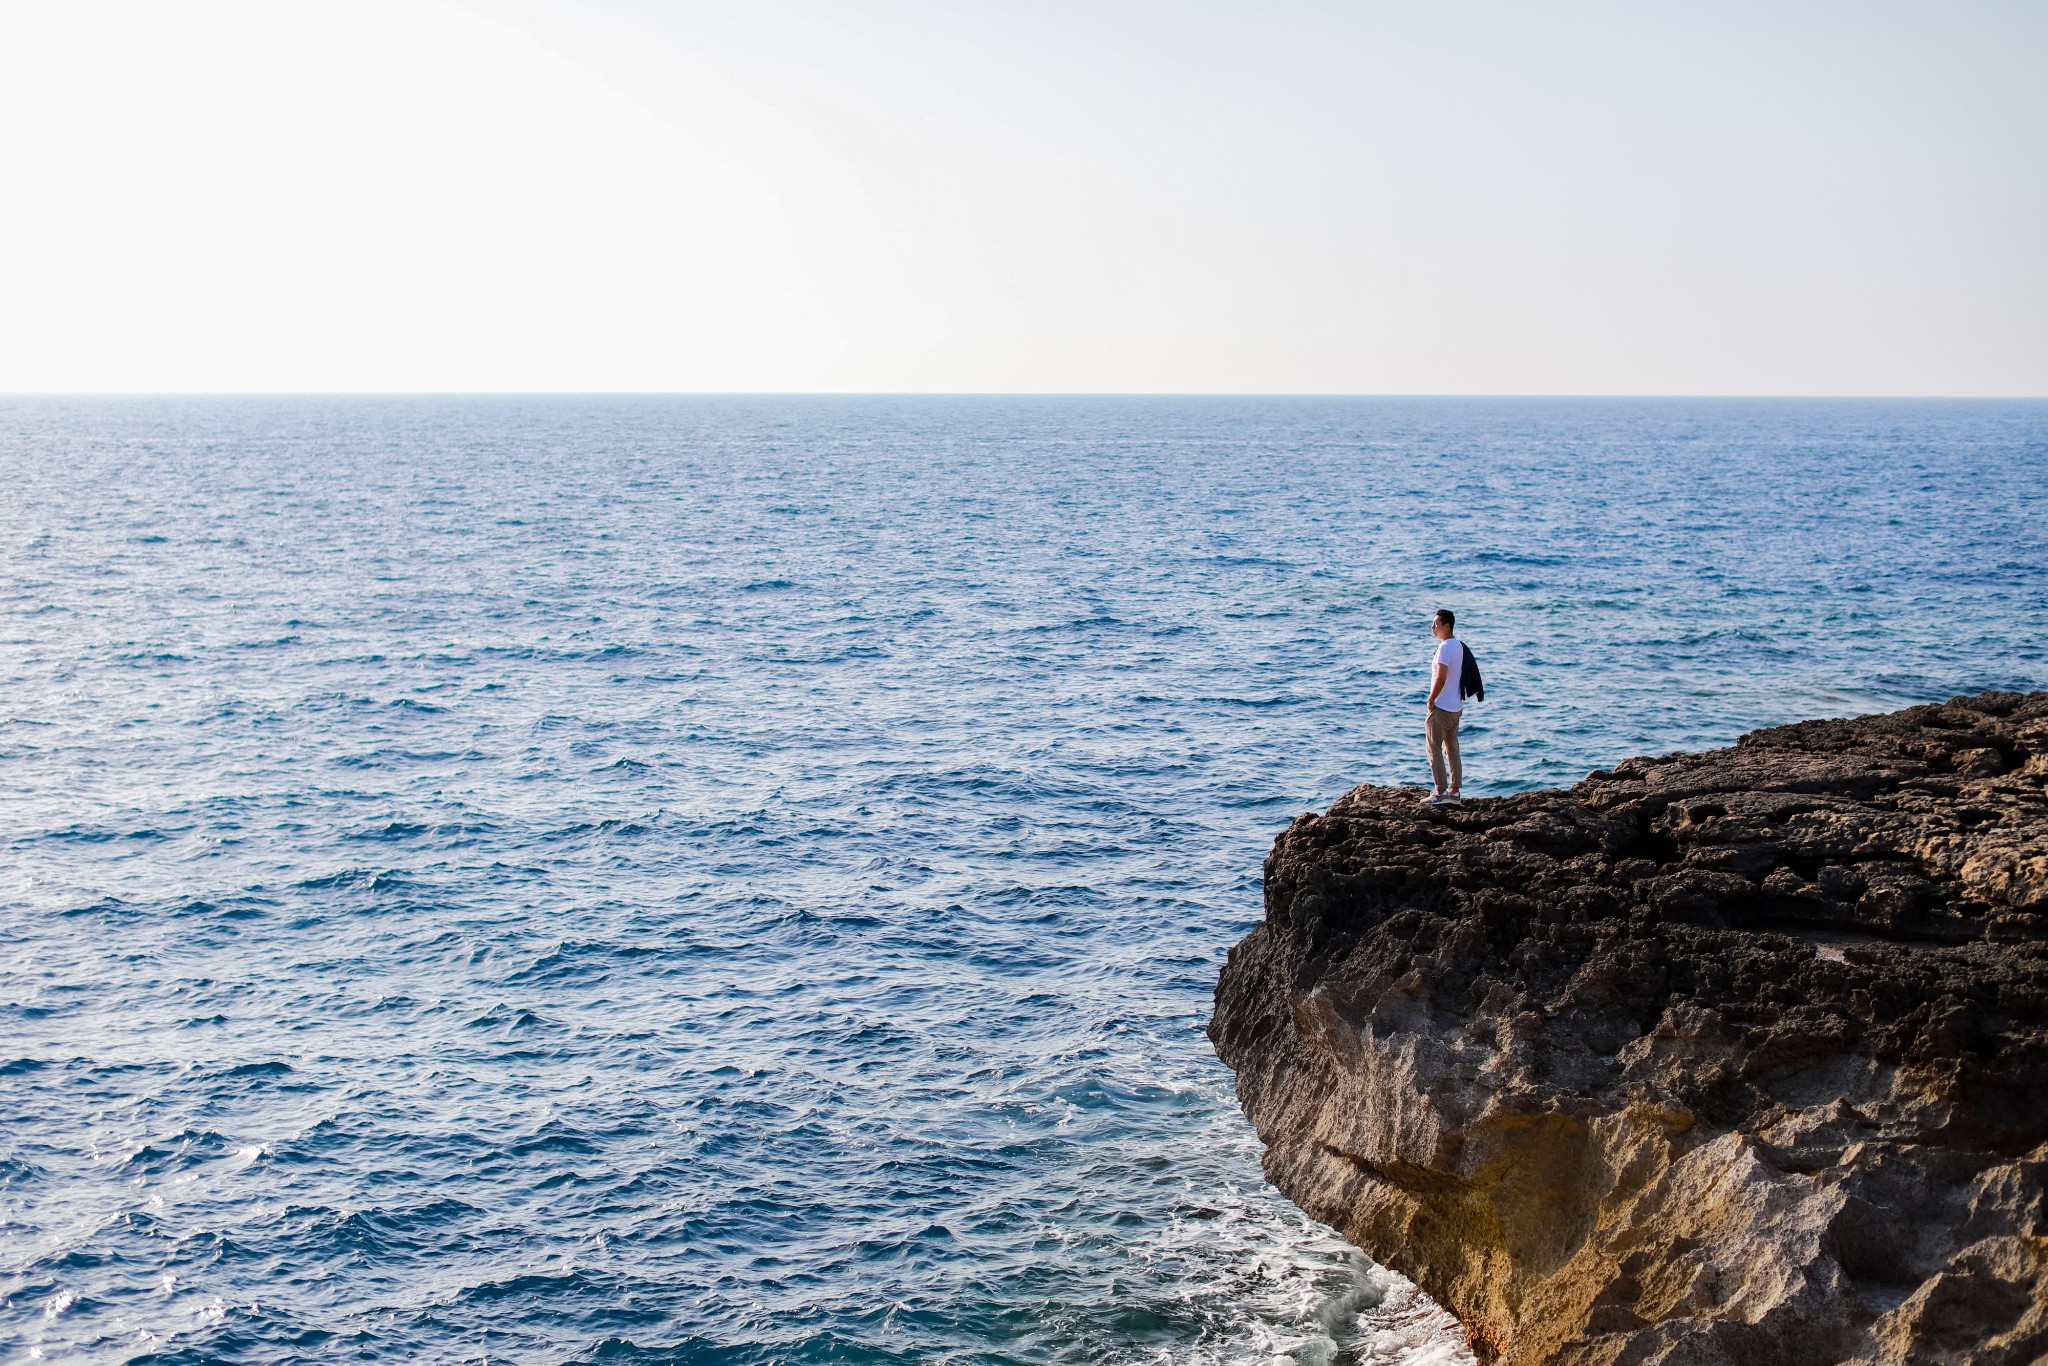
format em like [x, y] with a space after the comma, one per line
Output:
[1445, 620]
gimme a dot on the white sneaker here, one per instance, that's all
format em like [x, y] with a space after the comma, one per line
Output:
[1440, 799]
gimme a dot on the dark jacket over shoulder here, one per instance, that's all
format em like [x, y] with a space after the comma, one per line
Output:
[1470, 684]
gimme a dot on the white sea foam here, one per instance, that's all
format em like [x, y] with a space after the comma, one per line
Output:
[1276, 1288]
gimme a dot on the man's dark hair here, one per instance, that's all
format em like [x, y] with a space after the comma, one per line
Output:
[1447, 617]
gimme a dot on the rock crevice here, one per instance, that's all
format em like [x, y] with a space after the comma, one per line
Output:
[1736, 1057]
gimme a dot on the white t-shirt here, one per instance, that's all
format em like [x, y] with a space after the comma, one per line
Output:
[1451, 655]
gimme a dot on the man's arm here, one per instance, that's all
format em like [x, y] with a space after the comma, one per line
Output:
[1443, 672]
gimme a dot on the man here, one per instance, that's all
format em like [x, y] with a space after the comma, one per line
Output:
[1446, 708]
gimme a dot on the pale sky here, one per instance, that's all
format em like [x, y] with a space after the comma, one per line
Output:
[1291, 196]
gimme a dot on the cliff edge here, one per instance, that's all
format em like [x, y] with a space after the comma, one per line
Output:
[1737, 1057]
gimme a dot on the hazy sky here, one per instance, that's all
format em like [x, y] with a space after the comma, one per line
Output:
[1126, 195]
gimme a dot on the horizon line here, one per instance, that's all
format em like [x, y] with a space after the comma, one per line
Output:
[999, 393]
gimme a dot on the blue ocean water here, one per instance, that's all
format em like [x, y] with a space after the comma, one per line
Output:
[741, 880]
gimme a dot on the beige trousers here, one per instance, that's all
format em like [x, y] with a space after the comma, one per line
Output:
[1442, 730]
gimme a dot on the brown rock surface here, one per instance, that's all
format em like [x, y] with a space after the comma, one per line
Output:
[1738, 1057]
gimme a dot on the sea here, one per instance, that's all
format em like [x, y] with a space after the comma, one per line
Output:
[742, 880]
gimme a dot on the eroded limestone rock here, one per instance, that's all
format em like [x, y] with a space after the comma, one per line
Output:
[1738, 1057]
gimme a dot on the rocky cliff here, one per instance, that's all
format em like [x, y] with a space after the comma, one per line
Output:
[1738, 1057]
